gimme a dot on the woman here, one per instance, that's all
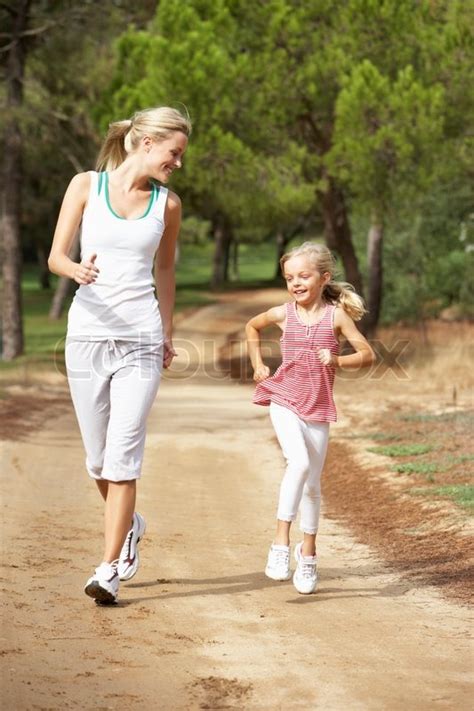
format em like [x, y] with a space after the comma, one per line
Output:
[118, 338]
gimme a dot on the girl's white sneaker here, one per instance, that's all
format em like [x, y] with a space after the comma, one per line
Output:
[104, 584]
[305, 578]
[278, 563]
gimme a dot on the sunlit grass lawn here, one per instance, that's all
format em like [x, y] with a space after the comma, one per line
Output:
[44, 339]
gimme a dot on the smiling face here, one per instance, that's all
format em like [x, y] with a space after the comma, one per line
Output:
[163, 157]
[303, 280]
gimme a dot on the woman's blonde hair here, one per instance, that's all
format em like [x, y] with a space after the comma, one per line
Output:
[123, 137]
[335, 292]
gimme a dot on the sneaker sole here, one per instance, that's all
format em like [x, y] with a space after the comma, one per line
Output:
[270, 575]
[304, 592]
[100, 594]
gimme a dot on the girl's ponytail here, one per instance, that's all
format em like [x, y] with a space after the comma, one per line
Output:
[342, 293]
[113, 152]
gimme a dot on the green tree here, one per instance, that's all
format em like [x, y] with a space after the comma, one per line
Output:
[53, 64]
[383, 143]
[194, 54]
[16, 19]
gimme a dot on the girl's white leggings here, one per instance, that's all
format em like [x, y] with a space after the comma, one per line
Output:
[304, 445]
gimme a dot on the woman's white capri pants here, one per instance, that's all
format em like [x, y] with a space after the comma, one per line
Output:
[113, 384]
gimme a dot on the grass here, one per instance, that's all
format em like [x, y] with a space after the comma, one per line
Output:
[462, 459]
[402, 450]
[385, 436]
[256, 266]
[445, 439]
[375, 436]
[443, 417]
[417, 468]
[461, 494]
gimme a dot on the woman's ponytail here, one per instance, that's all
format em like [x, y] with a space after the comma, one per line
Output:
[113, 152]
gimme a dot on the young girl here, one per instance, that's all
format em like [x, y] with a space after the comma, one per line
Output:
[118, 339]
[300, 393]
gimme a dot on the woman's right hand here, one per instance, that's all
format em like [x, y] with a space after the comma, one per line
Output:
[86, 272]
[261, 373]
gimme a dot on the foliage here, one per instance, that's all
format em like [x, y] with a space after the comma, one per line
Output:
[68, 64]
[284, 96]
[196, 49]
[384, 134]
[194, 231]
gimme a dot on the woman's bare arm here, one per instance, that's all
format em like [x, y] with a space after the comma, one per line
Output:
[165, 272]
[69, 219]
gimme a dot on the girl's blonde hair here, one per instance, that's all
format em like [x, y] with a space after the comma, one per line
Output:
[335, 292]
[123, 137]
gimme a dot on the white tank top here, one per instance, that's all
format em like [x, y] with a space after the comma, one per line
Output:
[121, 303]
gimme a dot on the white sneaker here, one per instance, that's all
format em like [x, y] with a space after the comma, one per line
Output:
[305, 578]
[278, 563]
[104, 584]
[129, 559]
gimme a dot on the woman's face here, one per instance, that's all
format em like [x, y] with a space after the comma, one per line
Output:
[162, 157]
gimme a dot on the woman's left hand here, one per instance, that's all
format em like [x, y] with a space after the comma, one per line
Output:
[168, 353]
[326, 357]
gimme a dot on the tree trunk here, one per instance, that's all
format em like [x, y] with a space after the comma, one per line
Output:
[281, 243]
[338, 235]
[44, 272]
[234, 262]
[65, 285]
[374, 258]
[223, 240]
[12, 344]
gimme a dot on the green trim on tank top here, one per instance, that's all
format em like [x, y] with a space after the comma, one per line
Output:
[99, 187]
[153, 197]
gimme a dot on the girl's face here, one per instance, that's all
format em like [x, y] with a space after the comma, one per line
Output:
[303, 280]
[162, 157]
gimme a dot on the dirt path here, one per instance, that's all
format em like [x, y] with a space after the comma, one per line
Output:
[201, 627]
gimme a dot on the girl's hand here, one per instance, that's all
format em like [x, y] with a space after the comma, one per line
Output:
[261, 373]
[86, 272]
[168, 353]
[326, 357]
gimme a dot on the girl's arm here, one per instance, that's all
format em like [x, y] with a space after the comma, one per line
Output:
[273, 316]
[165, 273]
[364, 355]
[69, 219]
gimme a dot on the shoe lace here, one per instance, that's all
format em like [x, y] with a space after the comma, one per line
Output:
[307, 569]
[281, 557]
[126, 545]
[104, 567]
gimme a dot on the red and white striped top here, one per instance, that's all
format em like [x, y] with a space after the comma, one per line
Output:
[302, 383]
